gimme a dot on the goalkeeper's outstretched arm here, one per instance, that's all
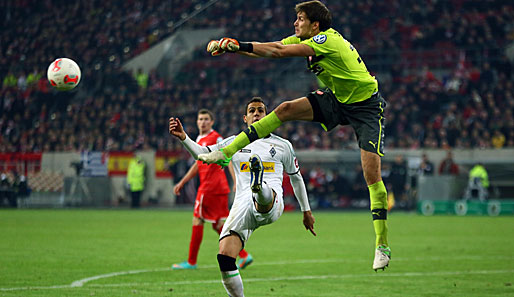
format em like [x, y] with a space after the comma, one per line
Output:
[278, 50]
[273, 49]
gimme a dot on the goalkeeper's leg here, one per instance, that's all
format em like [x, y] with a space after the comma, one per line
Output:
[371, 164]
[294, 110]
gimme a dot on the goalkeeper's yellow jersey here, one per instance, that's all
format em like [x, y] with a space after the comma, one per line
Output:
[339, 66]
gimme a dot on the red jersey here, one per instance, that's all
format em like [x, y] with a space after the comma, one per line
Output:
[212, 178]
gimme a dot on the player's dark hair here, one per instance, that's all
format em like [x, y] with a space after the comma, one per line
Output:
[255, 99]
[206, 111]
[316, 12]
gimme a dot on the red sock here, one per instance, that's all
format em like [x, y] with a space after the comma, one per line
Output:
[243, 254]
[194, 245]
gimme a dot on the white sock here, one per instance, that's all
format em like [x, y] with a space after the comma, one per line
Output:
[265, 195]
[233, 283]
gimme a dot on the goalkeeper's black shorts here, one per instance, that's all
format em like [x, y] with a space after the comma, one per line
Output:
[366, 117]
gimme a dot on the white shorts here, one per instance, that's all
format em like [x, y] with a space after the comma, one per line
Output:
[244, 218]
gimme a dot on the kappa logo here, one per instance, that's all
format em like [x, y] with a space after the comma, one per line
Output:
[319, 39]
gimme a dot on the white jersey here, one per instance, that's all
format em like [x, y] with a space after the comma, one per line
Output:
[277, 155]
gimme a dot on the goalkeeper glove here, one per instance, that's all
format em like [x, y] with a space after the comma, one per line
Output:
[232, 45]
[229, 44]
[213, 47]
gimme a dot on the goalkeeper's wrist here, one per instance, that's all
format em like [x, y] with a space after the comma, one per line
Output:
[246, 47]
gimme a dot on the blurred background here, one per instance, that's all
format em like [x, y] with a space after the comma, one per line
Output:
[444, 67]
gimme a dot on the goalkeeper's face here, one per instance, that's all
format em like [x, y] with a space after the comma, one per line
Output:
[304, 28]
[204, 123]
[254, 112]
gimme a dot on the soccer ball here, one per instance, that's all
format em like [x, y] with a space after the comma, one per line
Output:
[63, 74]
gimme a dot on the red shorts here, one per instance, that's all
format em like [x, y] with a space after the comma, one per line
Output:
[211, 207]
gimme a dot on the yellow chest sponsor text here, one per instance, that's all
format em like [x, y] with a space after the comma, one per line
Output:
[268, 166]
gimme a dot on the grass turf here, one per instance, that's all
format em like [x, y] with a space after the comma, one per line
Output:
[128, 253]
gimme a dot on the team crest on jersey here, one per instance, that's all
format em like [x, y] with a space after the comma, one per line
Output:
[272, 151]
[319, 39]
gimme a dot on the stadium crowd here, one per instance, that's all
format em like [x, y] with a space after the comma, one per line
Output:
[441, 66]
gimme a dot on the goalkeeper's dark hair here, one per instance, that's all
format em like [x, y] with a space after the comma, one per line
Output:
[316, 11]
[206, 111]
[255, 99]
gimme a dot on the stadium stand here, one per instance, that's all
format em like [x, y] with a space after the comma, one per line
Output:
[446, 76]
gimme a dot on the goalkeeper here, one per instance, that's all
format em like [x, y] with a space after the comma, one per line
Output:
[351, 98]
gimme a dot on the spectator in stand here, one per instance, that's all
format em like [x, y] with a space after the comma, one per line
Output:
[448, 166]
[425, 167]
[498, 139]
[141, 78]
[480, 80]
[7, 191]
[359, 189]
[398, 180]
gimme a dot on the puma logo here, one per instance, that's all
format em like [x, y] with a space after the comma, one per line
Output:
[373, 144]
[375, 213]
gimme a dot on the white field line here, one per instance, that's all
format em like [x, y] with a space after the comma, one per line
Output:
[306, 277]
[81, 282]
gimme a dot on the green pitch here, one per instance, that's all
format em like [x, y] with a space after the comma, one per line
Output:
[128, 253]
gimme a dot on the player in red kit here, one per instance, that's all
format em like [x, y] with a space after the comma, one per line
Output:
[211, 203]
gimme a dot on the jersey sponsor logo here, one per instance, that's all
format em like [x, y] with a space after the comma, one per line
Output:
[268, 166]
[320, 39]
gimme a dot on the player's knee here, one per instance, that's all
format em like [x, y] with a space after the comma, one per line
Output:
[217, 226]
[197, 221]
[284, 110]
[226, 263]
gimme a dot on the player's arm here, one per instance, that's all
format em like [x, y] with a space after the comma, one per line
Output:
[233, 175]
[176, 129]
[265, 49]
[192, 172]
[279, 50]
[300, 192]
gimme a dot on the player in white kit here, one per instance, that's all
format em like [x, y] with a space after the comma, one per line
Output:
[259, 169]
